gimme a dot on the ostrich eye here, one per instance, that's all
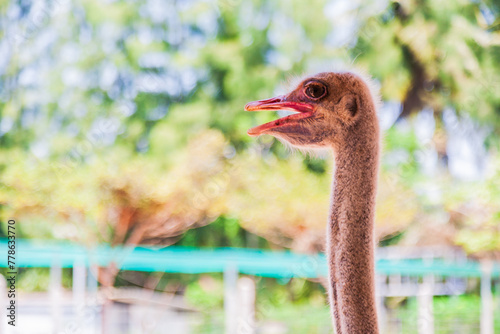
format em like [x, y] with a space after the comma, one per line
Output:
[315, 90]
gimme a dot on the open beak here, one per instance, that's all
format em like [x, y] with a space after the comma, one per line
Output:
[304, 110]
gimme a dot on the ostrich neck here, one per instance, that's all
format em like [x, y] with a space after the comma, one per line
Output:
[350, 239]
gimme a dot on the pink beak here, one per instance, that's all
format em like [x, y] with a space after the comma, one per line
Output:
[279, 103]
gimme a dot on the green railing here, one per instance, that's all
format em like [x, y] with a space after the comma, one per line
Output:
[173, 259]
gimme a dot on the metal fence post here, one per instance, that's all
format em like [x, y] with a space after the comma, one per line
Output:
[382, 312]
[55, 295]
[93, 301]
[79, 276]
[246, 306]
[230, 298]
[425, 308]
[486, 298]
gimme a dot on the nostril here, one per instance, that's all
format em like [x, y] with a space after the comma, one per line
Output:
[260, 105]
[271, 100]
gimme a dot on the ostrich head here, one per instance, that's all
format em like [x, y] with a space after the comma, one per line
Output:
[329, 108]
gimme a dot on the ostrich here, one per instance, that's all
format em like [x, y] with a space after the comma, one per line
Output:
[337, 111]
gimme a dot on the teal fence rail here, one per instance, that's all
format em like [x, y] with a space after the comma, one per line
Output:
[278, 264]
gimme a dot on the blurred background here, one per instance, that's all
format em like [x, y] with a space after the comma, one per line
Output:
[122, 125]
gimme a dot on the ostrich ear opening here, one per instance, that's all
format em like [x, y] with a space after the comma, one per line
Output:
[348, 107]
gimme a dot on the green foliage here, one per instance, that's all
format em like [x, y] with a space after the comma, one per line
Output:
[37, 279]
[127, 125]
[424, 55]
[223, 232]
[300, 318]
[456, 314]
[298, 304]
[205, 294]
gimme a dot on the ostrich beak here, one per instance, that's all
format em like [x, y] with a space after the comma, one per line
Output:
[303, 110]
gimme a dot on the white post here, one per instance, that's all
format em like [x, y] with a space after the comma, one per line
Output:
[92, 303]
[230, 298]
[55, 295]
[92, 284]
[486, 298]
[382, 312]
[79, 276]
[425, 307]
[246, 306]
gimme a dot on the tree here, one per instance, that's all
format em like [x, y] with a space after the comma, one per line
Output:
[105, 124]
